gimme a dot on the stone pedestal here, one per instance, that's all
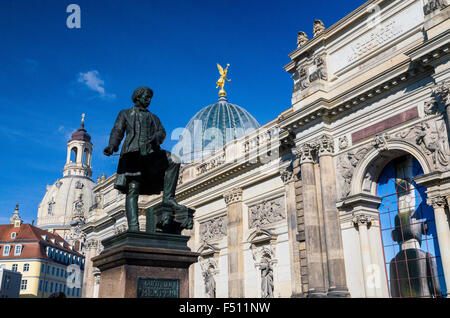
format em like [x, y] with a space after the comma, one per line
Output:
[138, 264]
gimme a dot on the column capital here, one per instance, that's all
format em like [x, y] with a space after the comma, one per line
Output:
[92, 244]
[438, 201]
[362, 219]
[325, 145]
[304, 153]
[233, 196]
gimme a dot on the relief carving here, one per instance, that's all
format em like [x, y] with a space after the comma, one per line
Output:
[267, 212]
[434, 5]
[214, 229]
[346, 165]
[431, 137]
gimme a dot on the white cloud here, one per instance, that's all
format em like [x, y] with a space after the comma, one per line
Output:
[93, 81]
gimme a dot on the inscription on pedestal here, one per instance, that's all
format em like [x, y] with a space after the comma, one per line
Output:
[158, 288]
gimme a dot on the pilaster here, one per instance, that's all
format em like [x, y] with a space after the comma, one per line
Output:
[233, 200]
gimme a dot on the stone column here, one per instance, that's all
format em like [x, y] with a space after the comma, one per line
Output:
[96, 274]
[233, 200]
[443, 235]
[288, 177]
[333, 237]
[362, 222]
[317, 286]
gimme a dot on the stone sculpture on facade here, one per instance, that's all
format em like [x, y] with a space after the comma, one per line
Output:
[266, 278]
[319, 27]
[302, 38]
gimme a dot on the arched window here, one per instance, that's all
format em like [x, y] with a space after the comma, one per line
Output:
[408, 231]
[73, 154]
[86, 157]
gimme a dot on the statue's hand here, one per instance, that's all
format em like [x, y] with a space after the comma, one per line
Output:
[108, 151]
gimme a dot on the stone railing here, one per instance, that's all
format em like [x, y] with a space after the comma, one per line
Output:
[261, 137]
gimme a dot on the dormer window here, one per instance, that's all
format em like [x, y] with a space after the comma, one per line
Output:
[44, 237]
[6, 250]
[53, 240]
[13, 235]
[18, 250]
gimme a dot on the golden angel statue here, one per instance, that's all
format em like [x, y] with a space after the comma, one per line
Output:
[223, 76]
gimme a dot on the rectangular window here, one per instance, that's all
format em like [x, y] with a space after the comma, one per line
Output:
[23, 285]
[14, 267]
[53, 271]
[78, 292]
[57, 272]
[26, 267]
[48, 269]
[46, 286]
[51, 287]
[6, 250]
[40, 285]
[18, 250]
[42, 268]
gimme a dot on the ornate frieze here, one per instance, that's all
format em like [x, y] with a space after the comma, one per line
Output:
[233, 196]
[214, 229]
[267, 212]
[434, 5]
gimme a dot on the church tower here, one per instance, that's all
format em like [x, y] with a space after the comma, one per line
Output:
[79, 153]
[68, 200]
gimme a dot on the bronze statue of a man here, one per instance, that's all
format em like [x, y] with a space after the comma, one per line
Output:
[144, 168]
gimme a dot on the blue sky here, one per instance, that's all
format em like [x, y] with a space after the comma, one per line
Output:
[50, 75]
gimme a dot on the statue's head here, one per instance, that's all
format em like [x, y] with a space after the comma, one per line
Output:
[408, 227]
[142, 96]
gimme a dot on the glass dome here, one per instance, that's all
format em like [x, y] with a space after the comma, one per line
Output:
[211, 128]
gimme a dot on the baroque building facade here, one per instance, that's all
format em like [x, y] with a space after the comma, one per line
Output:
[346, 193]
